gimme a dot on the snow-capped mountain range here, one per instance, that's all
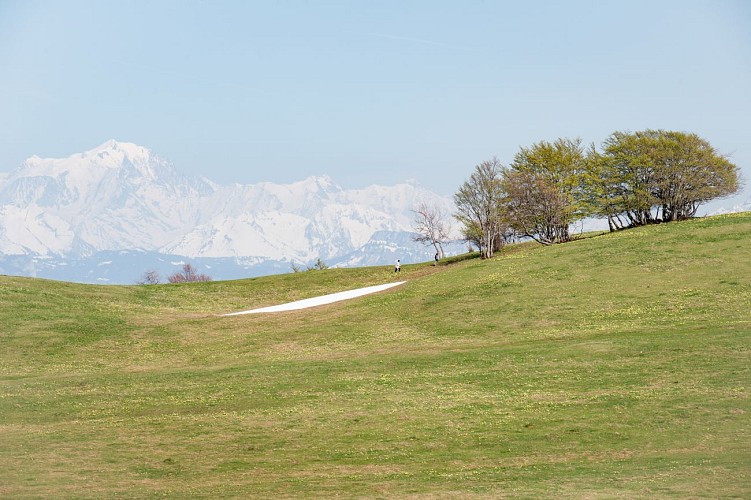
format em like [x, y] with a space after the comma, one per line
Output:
[121, 197]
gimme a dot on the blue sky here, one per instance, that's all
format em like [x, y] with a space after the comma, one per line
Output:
[366, 92]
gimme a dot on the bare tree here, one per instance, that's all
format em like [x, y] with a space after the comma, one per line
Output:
[319, 265]
[189, 274]
[150, 278]
[479, 204]
[431, 227]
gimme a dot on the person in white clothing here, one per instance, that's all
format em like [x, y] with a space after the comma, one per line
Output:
[397, 266]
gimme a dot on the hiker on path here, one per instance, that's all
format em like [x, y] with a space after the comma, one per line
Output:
[397, 266]
[436, 259]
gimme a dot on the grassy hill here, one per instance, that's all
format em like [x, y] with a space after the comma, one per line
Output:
[613, 366]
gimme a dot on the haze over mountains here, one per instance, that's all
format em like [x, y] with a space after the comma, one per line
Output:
[111, 213]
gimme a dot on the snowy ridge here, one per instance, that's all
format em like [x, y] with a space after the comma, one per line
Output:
[121, 196]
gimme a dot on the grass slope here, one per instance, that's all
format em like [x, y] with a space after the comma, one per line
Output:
[614, 366]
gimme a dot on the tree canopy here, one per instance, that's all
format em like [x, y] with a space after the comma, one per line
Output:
[543, 189]
[659, 176]
[479, 207]
[637, 178]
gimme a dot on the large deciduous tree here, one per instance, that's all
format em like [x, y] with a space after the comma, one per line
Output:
[659, 176]
[544, 189]
[480, 209]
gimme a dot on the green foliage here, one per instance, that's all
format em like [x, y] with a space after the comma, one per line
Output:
[543, 190]
[544, 372]
[639, 178]
[660, 176]
[562, 163]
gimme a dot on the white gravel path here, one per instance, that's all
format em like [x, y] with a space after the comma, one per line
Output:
[319, 301]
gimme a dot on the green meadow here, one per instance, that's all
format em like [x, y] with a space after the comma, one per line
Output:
[615, 366]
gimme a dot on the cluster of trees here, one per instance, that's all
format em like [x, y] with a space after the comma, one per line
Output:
[188, 274]
[636, 179]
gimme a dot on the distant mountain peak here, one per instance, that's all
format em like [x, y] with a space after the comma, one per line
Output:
[121, 196]
[323, 182]
[107, 156]
[114, 144]
[118, 151]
